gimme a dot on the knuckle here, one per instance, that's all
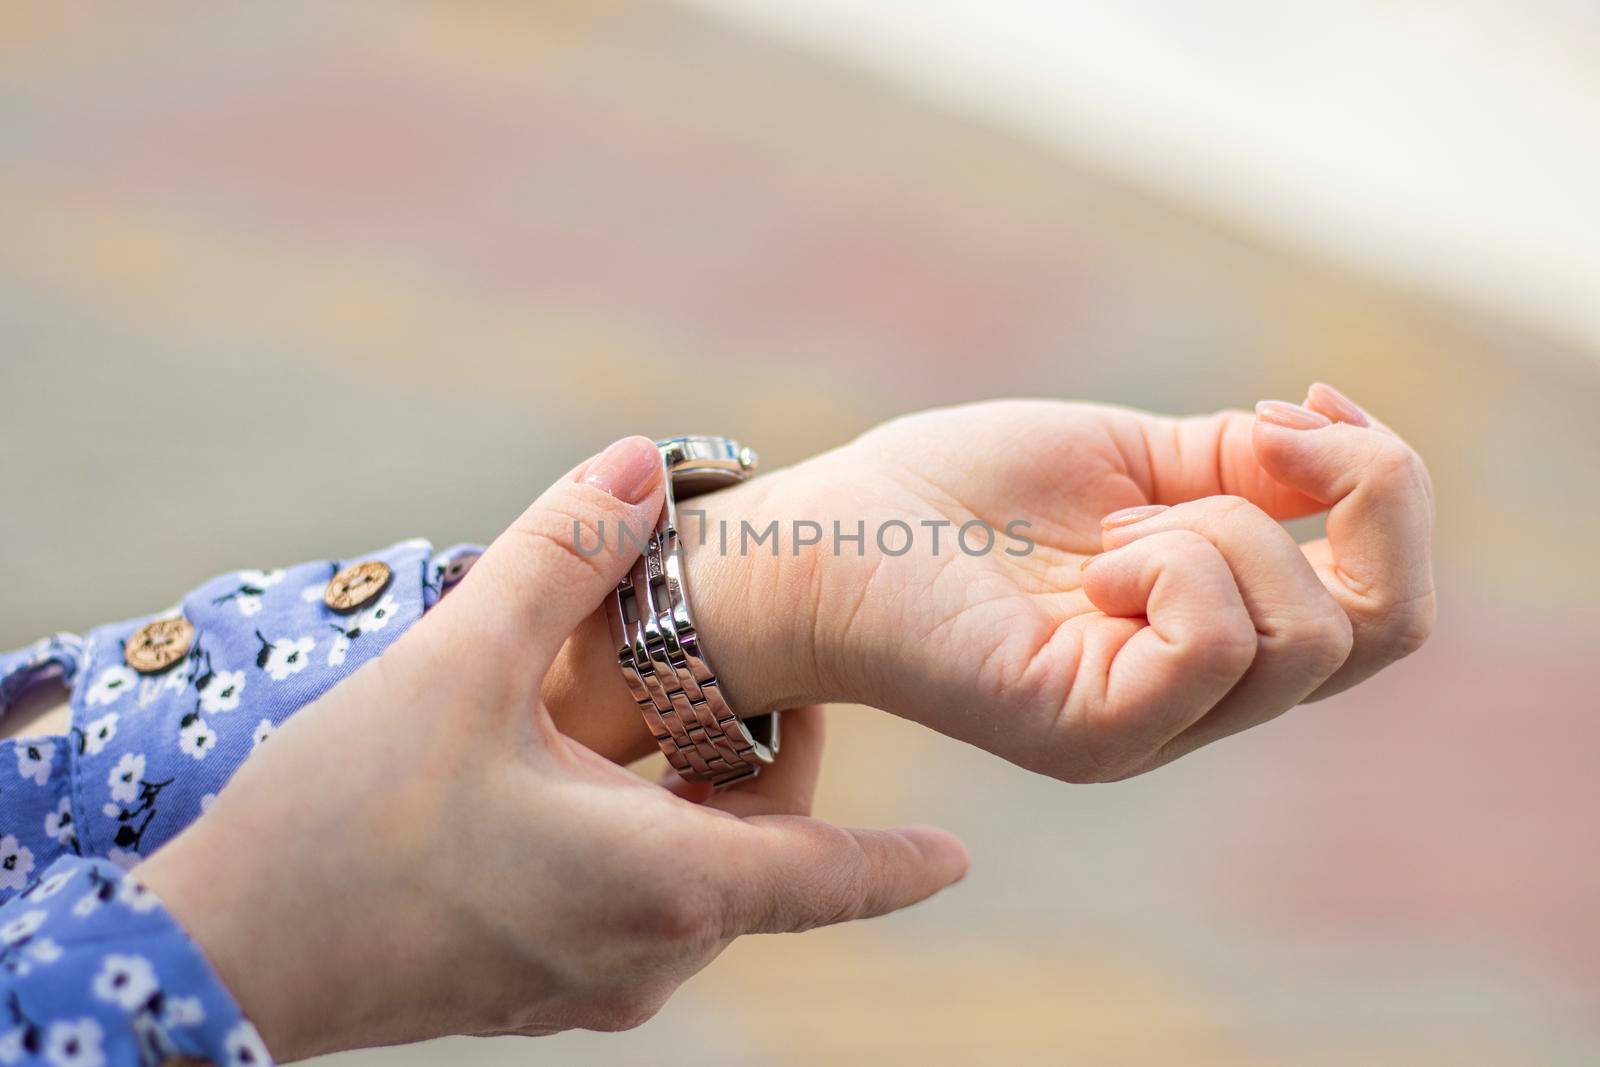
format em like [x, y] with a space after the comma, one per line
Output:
[1185, 547]
[841, 889]
[1322, 643]
[1235, 508]
[1229, 642]
[1397, 464]
[1407, 627]
[552, 538]
[1186, 541]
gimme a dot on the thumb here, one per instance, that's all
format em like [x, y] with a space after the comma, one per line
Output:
[555, 564]
[810, 873]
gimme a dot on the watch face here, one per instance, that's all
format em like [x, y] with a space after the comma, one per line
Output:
[699, 464]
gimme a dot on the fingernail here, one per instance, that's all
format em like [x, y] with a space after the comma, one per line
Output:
[1339, 406]
[1129, 516]
[1084, 565]
[1290, 416]
[627, 469]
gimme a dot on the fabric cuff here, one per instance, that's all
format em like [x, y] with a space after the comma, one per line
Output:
[98, 973]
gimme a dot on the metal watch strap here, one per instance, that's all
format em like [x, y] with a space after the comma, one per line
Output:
[657, 646]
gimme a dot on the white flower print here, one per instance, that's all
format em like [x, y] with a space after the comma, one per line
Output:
[281, 658]
[150, 688]
[99, 733]
[55, 883]
[313, 593]
[45, 950]
[16, 863]
[182, 1011]
[110, 684]
[261, 579]
[206, 801]
[127, 981]
[85, 905]
[222, 692]
[197, 739]
[23, 926]
[244, 1047]
[264, 730]
[375, 618]
[125, 778]
[247, 596]
[11, 1047]
[76, 1044]
[35, 757]
[136, 896]
[337, 650]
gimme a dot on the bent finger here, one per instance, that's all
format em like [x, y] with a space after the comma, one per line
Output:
[1377, 558]
[1175, 460]
[1302, 635]
[1190, 641]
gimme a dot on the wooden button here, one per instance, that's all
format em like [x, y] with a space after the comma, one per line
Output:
[155, 646]
[356, 585]
[186, 1061]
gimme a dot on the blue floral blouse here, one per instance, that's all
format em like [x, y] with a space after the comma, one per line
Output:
[93, 971]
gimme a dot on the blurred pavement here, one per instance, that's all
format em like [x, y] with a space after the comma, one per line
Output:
[290, 281]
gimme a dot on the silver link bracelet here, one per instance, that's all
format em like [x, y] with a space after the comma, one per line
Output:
[657, 646]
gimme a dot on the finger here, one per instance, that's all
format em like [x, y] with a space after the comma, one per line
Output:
[787, 786]
[552, 567]
[1174, 460]
[1142, 681]
[1329, 402]
[1302, 634]
[797, 873]
[1377, 558]
[695, 792]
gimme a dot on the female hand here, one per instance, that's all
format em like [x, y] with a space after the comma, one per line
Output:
[1194, 617]
[421, 853]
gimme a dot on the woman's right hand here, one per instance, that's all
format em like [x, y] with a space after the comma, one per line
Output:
[422, 853]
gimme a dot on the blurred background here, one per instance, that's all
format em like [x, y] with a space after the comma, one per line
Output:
[288, 281]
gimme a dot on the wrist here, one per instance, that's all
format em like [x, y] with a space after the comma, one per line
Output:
[257, 955]
[752, 602]
[752, 609]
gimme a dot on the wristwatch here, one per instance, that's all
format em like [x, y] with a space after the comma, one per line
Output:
[657, 646]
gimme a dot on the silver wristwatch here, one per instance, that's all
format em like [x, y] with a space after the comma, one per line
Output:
[657, 647]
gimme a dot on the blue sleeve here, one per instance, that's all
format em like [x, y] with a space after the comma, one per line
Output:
[94, 970]
[147, 752]
[95, 973]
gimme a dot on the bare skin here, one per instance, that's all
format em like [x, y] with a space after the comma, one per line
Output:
[1085, 671]
[1122, 641]
[524, 883]
[421, 852]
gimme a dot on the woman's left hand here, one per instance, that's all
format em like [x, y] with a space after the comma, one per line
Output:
[421, 853]
[1156, 606]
